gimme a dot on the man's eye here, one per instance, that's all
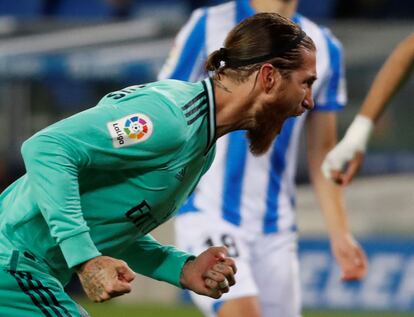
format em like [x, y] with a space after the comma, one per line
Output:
[310, 83]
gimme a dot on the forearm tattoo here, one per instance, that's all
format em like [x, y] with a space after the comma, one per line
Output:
[93, 279]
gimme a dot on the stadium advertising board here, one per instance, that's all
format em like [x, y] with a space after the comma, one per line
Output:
[389, 284]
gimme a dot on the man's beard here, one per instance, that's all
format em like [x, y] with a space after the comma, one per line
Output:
[266, 129]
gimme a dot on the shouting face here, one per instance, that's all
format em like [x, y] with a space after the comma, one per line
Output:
[291, 96]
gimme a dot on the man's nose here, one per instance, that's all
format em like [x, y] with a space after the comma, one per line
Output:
[308, 102]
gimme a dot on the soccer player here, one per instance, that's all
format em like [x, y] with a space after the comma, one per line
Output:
[343, 161]
[247, 202]
[98, 182]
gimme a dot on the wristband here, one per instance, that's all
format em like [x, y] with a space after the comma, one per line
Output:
[359, 132]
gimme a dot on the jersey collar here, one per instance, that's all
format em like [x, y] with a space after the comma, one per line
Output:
[209, 89]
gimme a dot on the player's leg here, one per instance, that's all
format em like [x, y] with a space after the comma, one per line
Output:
[277, 275]
[25, 293]
[243, 307]
[195, 232]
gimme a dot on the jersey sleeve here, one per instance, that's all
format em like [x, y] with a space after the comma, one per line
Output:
[52, 170]
[186, 58]
[152, 259]
[332, 95]
[56, 156]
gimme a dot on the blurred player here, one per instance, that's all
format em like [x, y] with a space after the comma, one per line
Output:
[344, 160]
[248, 203]
[98, 182]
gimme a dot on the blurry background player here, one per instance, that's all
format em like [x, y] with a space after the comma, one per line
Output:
[98, 182]
[343, 161]
[248, 203]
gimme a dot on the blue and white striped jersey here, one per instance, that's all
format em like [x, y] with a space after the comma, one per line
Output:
[257, 193]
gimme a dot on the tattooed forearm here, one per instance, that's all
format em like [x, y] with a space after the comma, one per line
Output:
[92, 278]
[104, 277]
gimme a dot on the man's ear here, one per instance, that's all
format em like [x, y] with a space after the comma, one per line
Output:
[269, 77]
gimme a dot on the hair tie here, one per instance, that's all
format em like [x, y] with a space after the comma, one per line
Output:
[221, 58]
[223, 54]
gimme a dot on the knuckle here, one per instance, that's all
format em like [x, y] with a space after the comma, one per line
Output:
[108, 289]
[223, 284]
[211, 284]
[219, 267]
[105, 298]
[232, 263]
[227, 271]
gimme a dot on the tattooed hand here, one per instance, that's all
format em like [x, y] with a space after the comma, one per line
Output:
[104, 277]
[211, 273]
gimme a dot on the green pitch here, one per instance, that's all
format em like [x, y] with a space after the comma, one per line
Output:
[110, 309]
[127, 310]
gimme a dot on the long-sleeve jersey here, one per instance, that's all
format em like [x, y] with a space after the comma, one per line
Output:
[257, 193]
[98, 182]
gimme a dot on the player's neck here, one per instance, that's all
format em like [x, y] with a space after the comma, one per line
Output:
[233, 104]
[282, 7]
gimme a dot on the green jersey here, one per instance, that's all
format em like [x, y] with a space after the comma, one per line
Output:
[98, 182]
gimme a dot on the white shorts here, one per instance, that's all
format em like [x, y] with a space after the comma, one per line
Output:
[267, 265]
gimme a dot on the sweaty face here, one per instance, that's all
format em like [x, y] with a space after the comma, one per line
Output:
[292, 97]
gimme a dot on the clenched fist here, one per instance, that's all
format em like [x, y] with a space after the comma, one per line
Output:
[211, 273]
[103, 278]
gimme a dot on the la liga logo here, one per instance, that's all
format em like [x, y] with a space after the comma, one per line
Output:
[132, 129]
[137, 127]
